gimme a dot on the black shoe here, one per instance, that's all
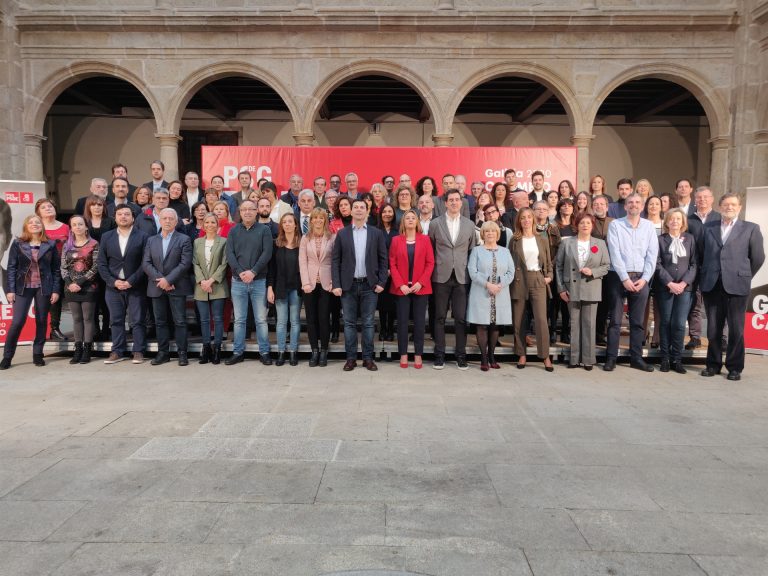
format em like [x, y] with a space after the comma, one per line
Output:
[293, 358]
[216, 356]
[57, 334]
[314, 359]
[5, 363]
[370, 365]
[234, 359]
[641, 365]
[349, 365]
[280, 359]
[87, 349]
[383, 356]
[601, 341]
[334, 337]
[588, 367]
[693, 343]
[664, 365]
[461, 363]
[678, 367]
[266, 359]
[37, 360]
[733, 375]
[610, 364]
[551, 367]
[574, 365]
[438, 363]
[205, 354]
[183, 360]
[78, 353]
[709, 372]
[161, 358]
[323, 361]
[565, 338]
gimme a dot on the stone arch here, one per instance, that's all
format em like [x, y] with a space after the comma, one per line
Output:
[190, 85]
[366, 67]
[714, 107]
[549, 78]
[41, 98]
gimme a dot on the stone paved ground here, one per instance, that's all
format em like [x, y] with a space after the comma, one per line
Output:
[137, 470]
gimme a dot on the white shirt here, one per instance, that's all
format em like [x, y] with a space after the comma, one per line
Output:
[583, 250]
[685, 207]
[122, 240]
[425, 225]
[531, 253]
[192, 197]
[725, 229]
[453, 226]
[208, 250]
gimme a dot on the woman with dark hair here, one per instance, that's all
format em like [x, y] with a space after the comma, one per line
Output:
[373, 218]
[551, 197]
[582, 262]
[565, 189]
[668, 201]
[483, 200]
[411, 262]
[98, 222]
[178, 201]
[499, 196]
[58, 232]
[342, 214]
[533, 274]
[597, 186]
[209, 263]
[386, 302]
[34, 276]
[426, 185]
[315, 256]
[283, 285]
[405, 199]
[79, 274]
[564, 217]
[195, 227]
[583, 204]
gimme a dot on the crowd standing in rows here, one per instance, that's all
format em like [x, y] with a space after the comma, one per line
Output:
[499, 258]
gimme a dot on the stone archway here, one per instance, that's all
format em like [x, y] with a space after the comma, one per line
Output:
[371, 67]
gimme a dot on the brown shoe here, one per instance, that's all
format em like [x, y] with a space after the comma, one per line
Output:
[138, 358]
[114, 358]
[350, 365]
[370, 365]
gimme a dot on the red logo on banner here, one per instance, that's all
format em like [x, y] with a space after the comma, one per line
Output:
[756, 331]
[6, 317]
[19, 197]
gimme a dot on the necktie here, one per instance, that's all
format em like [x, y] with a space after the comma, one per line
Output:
[304, 225]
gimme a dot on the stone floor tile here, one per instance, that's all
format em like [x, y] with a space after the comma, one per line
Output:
[335, 524]
[564, 563]
[192, 449]
[733, 565]
[231, 425]
[678, 431]
[305, 449]
[171, 522]
[352, 482]
[440, 560]
[150, 424]
[33, 558]
[495, 452]
[742, 457]
[402, 427]
[33, 521]
[15, 471]
[359, 426]
[640, 455]
[591, 487]
[401, 453]
[92, 447]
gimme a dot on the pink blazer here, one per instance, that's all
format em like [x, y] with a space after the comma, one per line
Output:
[310, 264]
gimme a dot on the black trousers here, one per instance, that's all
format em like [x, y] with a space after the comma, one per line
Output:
[456, 294]
[21, 307]
[636, 302]
[317, 307]
[725, 308]
[415, 306]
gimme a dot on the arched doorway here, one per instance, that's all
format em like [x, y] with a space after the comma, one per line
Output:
[92, 124]
[373, 110]
[651, 128]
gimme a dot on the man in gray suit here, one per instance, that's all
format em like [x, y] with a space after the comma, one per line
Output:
[453, 237]
[168, 266]
[733, 252]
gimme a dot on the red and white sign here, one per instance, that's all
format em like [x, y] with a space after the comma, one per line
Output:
[756, 324]
[278, 163]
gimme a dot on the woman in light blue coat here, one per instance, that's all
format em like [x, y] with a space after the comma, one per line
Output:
[491, 269]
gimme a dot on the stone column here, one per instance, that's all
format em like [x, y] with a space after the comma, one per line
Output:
[582, 141]
[446, 5]
[760, 159]
[33, 145]
[169, 154]
[304, 139]
[718, 179]
[442, 140]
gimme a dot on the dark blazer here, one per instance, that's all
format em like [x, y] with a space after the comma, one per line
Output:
[146, 223]
[734, 262]
[181, 207]
[696, 226]
[686, 268]
[616, 209]
[111, 261]
[343, 263]
[107, 224]
[80, 204]
[519, 287]
[508, 218]
[135, 208]
[423, 264]
[176, 267]
[20, 259]
[131, 190]
[151, 185]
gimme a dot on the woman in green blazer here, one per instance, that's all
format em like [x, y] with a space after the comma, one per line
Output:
[211, 290]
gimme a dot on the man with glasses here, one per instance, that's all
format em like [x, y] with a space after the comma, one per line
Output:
[404, 179]
[352, 182]
[389, 184]
[335, 182]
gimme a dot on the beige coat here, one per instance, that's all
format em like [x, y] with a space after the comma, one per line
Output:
[217, 269]
[310, 265]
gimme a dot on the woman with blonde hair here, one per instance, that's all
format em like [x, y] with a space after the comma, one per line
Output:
[644, 188]
[315, 256]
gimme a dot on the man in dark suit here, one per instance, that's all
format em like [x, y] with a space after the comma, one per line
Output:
[121, 189]
[168, 264]
[98, 188]
[733, 252]
[121, 259]
[158, 170]
[121, 171]
[519, 201]
[359, 271]
[623, 189]
[303, 209]
[149, 222]
[453, 238]
[684, 193]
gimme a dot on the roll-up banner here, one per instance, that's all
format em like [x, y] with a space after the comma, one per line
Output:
[17, 201]
[756, 324]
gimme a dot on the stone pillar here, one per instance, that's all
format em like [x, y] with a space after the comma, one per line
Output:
[718, 179]
[446, 5]
[33, 145]
[760, 159]
[304, 139]
[169, 154]
[442, 140]
[582, 141]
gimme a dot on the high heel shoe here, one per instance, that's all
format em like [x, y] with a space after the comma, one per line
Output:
[404, 363]
[521, 362]
[550, 367]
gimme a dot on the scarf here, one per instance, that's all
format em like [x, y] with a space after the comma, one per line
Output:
[677, 249]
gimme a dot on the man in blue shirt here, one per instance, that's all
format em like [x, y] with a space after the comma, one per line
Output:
[634, 247]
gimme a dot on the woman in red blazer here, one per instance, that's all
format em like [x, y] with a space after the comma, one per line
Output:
[411, 261]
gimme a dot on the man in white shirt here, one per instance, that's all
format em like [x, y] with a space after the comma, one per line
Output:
[425, 207]
[684, 190]
[194, 193]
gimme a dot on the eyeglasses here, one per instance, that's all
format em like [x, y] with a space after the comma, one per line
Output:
[492, 211]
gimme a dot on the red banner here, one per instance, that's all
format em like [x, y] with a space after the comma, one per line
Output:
[278, 163]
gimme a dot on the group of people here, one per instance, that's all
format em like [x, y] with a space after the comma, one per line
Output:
[500, 258]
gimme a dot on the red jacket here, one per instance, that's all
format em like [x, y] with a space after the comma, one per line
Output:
[423, 264]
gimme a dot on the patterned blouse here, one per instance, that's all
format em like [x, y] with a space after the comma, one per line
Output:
[79, 265]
